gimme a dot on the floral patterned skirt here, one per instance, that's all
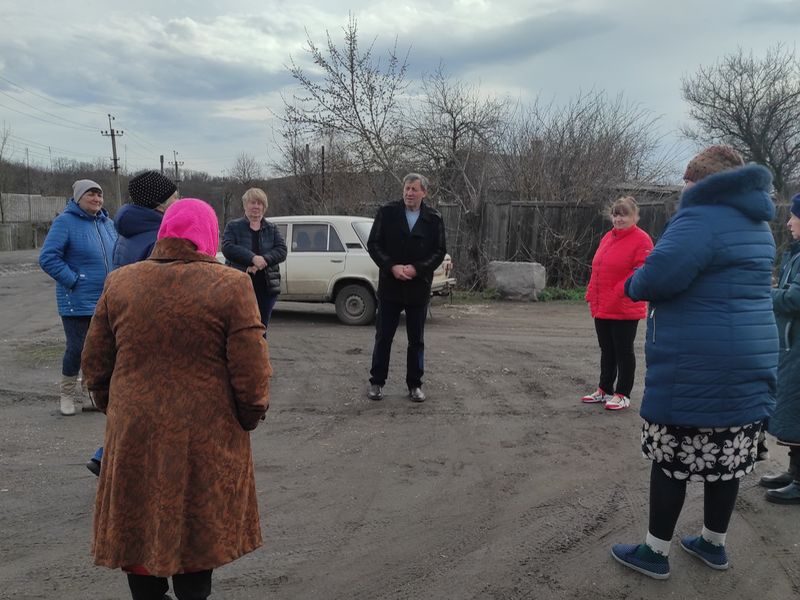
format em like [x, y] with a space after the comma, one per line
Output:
[702, 453]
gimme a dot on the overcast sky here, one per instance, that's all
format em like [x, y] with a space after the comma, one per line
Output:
[199, 77]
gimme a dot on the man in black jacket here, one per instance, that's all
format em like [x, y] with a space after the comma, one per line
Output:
[407, 243]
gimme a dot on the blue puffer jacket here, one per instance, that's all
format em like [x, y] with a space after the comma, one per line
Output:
[712, 343]
[785, 423]
[137, 227]
[77, 254]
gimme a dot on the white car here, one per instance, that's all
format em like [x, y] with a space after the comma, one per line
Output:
[327, 261]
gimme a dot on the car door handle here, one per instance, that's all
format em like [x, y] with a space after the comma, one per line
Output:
[337, 260]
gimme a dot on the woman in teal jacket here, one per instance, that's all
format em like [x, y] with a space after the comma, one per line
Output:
[77, 253]
[785, 423]
[711, 351]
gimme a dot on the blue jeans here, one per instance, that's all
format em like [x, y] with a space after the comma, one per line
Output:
[75, 329]
[385, 327]
[265, 306]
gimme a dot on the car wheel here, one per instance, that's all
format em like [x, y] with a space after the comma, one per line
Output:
[355, 305]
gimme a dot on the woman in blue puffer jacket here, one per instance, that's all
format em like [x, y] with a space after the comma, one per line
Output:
[711, 351]
[77, 254]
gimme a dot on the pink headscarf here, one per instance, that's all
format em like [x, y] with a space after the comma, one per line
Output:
[194, 220]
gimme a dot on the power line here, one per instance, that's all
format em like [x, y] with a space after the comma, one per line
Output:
[49, 114]
[136, 137]
[47, 146]
[82, 128]
[91, 112]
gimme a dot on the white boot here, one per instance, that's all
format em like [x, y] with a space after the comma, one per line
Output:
[68, 387]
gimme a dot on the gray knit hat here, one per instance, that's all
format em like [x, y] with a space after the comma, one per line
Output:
[80, 187]
[149, 189]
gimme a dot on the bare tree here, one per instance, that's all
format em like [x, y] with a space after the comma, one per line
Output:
[572, 158]
[753, 104]
[245, 173]
[473, 147]
[455, 132]
[246, 170]
[320, 170]
[354, 95]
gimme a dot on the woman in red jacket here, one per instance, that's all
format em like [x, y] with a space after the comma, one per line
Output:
[616, 317]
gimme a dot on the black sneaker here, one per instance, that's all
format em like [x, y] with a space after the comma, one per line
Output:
[94, 466]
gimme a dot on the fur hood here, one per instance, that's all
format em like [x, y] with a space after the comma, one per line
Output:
[747, 189]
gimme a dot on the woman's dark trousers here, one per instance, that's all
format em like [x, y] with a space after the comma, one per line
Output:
[617, 358]
[187, 586]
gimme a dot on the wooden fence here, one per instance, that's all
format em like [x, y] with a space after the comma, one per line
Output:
[562, 236]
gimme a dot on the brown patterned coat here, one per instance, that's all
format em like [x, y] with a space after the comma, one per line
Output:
[175, 356]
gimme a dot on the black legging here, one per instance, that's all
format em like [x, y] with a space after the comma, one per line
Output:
[666, 501]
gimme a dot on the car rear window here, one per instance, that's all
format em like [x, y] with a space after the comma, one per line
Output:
[362, 231]
[315, 238]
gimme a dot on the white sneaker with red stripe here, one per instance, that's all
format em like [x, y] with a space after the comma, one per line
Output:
[598, 396]
[618, 402]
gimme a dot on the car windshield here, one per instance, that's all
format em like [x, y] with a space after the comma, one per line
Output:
[362, 230]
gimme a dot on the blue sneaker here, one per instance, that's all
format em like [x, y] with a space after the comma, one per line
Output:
[714, 556]
[641, 558]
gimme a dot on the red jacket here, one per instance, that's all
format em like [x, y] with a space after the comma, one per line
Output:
[621, 251]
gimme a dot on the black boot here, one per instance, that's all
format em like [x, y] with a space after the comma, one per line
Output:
[773, 482]
[94, 466]
[781, 480]
[785, 495]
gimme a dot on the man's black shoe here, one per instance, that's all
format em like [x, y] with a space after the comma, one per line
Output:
[94, 466]
[773, 482]
[785, 495]
[416, 394]
[375, 392]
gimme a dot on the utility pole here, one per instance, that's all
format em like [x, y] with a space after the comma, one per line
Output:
[176, 163]
[162, 164]
[28, 170]
[114, 134]
[323, 174]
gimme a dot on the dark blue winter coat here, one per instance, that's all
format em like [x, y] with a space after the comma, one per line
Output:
[785, 423]
[237, 242]
[712, 343]
[137, 227]
[77, 254]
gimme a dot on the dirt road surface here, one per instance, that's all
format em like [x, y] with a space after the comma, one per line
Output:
[502, 485]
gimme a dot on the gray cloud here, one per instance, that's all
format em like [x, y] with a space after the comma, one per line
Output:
[197, 75]
[774, 13]
[515, 42]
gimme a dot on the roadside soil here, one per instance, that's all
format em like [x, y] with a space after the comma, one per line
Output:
[502, 485]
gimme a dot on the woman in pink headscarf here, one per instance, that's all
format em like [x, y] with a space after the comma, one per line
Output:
[175, 356]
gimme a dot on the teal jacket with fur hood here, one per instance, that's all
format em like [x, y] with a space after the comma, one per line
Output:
[785, 424]
[712, 343]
